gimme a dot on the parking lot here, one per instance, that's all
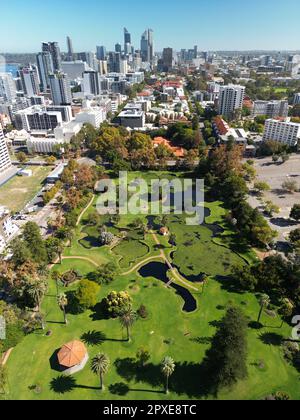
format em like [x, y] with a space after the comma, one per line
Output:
[275, 175]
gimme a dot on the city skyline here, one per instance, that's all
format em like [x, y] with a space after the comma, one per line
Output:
[214, 26]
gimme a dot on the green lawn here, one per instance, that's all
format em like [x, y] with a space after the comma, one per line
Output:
[17, 192]
[167, 331]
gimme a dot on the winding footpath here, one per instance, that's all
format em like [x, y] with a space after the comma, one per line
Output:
[85, 210]
[164, 258]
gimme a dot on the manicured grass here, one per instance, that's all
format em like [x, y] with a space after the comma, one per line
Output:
[167, 331]
[130, 251]
[17, 192]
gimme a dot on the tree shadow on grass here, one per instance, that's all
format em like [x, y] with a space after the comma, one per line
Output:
[93, 338]
[271, 339]
[99, 313]
[64, 384]
[229, 284]
[185, 380]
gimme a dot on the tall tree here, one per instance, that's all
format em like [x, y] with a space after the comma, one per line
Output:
[127, 319]
[100, 366]
[62, 301]
[167, 368]
[226, 360]
[264, 301]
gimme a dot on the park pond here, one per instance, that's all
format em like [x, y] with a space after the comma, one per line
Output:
[159, 271]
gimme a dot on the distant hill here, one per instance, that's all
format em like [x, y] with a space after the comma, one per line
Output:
[22, 59]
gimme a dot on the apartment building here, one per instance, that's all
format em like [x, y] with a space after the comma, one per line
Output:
[282, 131]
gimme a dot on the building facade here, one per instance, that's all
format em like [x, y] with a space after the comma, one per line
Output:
[231, 98]
[282, 131]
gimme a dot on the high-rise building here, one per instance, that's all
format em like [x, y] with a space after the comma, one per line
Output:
[195, 51]
[45, 67]
[272, 109]
[296, 99]
[101, 53]
[231, 100]
[91, 83]
[8, 89]
[118, 48]
[60, 89]
[114, 62]
[147, 46]
[282, 131]
[89, 58]
[30, 81]
[71, 55]
[54, 50]
[127, 41]
[167, 59]
[5, 162]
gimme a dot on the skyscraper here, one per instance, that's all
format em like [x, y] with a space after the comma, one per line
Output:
[101, 53]
[118, 48]
[8, 89]
[5, 162]
[71, 55]
[231, 99]
[127, 41]
[167, 59]
[30, 81]
[45, 67]
[147, 46]
[60, 89]
[91, 83]
[54, 50]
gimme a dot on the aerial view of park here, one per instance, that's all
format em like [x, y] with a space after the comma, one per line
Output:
[177, 279]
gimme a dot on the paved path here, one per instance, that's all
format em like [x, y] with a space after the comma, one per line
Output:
[82, 259]
[163, 257]
[85, 210]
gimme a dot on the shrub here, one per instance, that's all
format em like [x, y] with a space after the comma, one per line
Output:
[143, 312]
[87, 294]
[116, 302]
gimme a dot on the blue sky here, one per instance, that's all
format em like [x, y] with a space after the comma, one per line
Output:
[211, 24]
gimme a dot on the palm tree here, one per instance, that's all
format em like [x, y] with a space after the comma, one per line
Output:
[36, 291]
[55, 275]
[62, 301]
[127, 319]
[167, 368]
[100, 366]
[263, 301]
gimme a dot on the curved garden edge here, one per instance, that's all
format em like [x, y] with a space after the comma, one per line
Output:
[85, 210]
[5, 357]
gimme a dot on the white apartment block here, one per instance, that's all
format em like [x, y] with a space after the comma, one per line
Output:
[5, 162]
[60, 89]
[271, 109]
[231, 98]
[8, 89]
[94, 116]
[282, 131]
[297, 99]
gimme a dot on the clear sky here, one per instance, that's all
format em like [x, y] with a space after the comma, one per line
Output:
[211, 24]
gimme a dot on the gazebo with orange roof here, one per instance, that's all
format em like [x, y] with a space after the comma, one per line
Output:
[73, 357]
